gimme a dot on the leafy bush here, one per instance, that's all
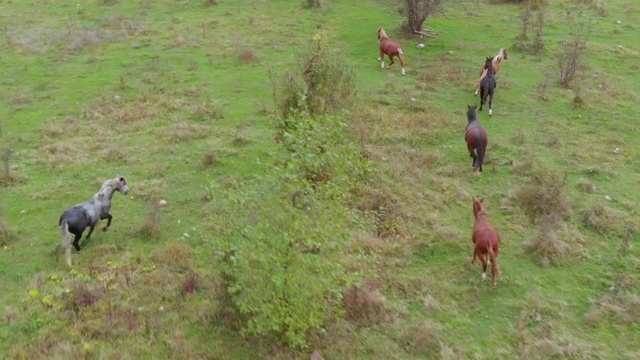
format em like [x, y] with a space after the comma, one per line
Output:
[284, 234]
[321, 83]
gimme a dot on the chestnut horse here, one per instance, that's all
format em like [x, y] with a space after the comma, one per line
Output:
[486, 240]
[476, 138]
[502, 54]
[389, 48]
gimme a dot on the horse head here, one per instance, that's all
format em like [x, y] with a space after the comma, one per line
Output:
[121, 184]
[504, 54]
[471, 112]
[488, 64]
[382, 34]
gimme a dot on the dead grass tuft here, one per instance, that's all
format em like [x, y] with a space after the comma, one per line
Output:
[152, 227]
[544, 196]
[424, 339]
[210, 2]
[621, 303]
[585, 185]
[365, 303]
[248, 56]
[109, 110]
[207, 111]
[551, 245]
[185, 132]
[536, 334]
[151, 189]
[383, 206]
[83, 295]
[603, 219]
[175, 256]
[7, 235]
[190, 285]
[209, 159]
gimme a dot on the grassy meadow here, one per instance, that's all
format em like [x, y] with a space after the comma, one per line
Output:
[177, 96]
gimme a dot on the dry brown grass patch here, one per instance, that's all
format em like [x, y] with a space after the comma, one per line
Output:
[209, 159]
[544, 195]
[423, 339]
[176, 256]
[109, 110]
[248, 56]
[365, 303]
[152, 226]
[621, 303]
[603, 219]
[184, 132]
[554, 242]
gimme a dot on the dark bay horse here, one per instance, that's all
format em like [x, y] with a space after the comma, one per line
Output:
[77, 218]
[389, 48]
[502, 54]
[488, 85]
[476, 137]
[486, 240]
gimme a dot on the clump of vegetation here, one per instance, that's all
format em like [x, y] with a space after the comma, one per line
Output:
[321, 83]
[533, 15]
[544, 196]
[603, 219]
[621, 303]
[573, 49]
[248, 56]
[210, 2]
[281, 257]
[311, 4]
[152, 226]
[365, 303]
[537, 337]
[554, 242]
[545, 200]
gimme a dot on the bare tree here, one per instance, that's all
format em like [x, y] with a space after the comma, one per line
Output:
[417, 12]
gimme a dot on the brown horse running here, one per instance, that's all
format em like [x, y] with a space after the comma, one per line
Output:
[476, 137]
[502, 55]
[486, 240]
[389, 48]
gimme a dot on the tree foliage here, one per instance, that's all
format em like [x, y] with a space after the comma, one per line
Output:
[288, 231]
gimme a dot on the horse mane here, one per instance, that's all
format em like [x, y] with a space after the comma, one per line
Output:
[382, 34]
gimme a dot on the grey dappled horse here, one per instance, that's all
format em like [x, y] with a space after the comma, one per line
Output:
[76, 219]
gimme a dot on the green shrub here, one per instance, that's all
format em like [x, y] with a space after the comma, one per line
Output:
[321, 83]
[284, 234]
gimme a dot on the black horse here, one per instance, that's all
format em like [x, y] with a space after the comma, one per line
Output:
[488, 85]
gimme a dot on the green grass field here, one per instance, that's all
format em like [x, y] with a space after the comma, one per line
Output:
[177, 96]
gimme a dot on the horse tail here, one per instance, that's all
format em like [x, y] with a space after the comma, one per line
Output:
[66, 240]
[480, 151]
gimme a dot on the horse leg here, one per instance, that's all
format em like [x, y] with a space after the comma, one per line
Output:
[76, 241]
[490, 101]
[108, 217]
[381, 59]
[401, 63]
[482, 75]
[484, 267]
[90, 231]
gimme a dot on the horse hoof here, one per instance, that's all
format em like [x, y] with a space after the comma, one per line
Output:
[402, 71]
[490, 112]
